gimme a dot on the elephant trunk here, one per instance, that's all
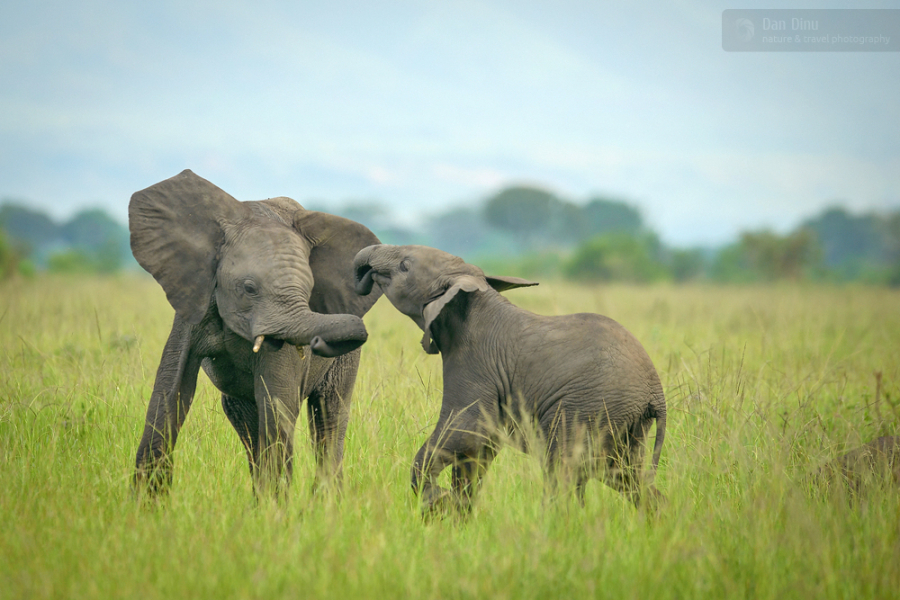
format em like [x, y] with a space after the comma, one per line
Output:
[363, 270]
[327, 335]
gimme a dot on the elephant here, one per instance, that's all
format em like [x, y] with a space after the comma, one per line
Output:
[264, 302]
[582, 381]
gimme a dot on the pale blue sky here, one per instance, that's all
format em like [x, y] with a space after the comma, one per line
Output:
[425, 105]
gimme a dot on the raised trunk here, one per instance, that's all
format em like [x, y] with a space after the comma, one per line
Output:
[327, 335]
[363, 271]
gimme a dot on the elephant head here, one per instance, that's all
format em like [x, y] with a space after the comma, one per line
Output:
[276, 272]
[420, 281]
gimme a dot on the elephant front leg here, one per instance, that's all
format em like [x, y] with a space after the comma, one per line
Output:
[468, 473]
[173, 391]
[274, 460]
[429, 462]
[456, 441]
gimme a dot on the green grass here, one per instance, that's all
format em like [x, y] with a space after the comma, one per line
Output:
[763, 384]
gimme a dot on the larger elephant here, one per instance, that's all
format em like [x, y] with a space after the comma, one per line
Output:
[265, 304]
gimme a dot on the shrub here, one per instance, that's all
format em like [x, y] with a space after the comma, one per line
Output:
[617, 257]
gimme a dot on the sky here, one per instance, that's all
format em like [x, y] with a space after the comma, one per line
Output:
[428, 105]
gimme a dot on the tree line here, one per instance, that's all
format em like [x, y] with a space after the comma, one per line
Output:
[90, 242]
[532, 232]
[526, 231]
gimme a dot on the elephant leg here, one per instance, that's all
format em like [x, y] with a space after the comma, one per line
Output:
[328, 413]
[173, 391]
[457, 434]
[244, 417]
[468, 472]
[569, 458]
[624, 462]
[278, 405]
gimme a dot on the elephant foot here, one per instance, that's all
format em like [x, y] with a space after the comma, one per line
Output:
[437, 503]
[651, 502]
[151, 482]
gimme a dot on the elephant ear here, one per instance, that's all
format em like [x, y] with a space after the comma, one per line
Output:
[334, 243]
[501, 284]
[464, 283]
[176, 232]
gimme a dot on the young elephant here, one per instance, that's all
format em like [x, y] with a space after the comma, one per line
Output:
[582, 380]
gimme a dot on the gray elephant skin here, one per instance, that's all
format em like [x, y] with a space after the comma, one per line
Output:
[582, 381]
[264, 301]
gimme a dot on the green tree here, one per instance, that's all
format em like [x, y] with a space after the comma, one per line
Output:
[686, 264]
[72, 261]
[103, 241]
[522, 210]
[461, 231]
[781, 257]
[92, 229]
[602, 215]
[617, 257]
[26, 227]
[9, 258]
[767, 256]
[846, 239]
[891, 234]
[730, 265]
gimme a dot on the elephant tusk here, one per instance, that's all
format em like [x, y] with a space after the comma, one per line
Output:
[257, 343]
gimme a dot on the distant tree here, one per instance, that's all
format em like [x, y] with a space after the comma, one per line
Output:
[686, 264]
[523, 210]
[617, 257]
[845, 238]
[71, 261]
[459, 231]
[602, 215]
[92, 229]
[27, 227]
[9, 258]
[731, 265]
[767, 256]
[782, 257]
[891, 234]
[567, 225]
[103, 239]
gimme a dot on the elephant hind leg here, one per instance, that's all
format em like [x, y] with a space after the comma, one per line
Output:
[569, 464]
[624, 465]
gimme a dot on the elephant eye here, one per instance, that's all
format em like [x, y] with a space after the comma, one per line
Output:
[404, 265]
[250, 288]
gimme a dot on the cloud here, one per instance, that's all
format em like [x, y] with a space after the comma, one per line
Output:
[476, 178]
[406, 101]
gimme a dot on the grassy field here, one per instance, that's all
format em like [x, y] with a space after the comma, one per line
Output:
[763, 385]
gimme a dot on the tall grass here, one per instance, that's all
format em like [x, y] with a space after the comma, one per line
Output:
[763, 385]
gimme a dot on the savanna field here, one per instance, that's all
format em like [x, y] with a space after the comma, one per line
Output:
[764, 384]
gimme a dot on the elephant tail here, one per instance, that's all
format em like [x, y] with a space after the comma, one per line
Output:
[660, 415]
